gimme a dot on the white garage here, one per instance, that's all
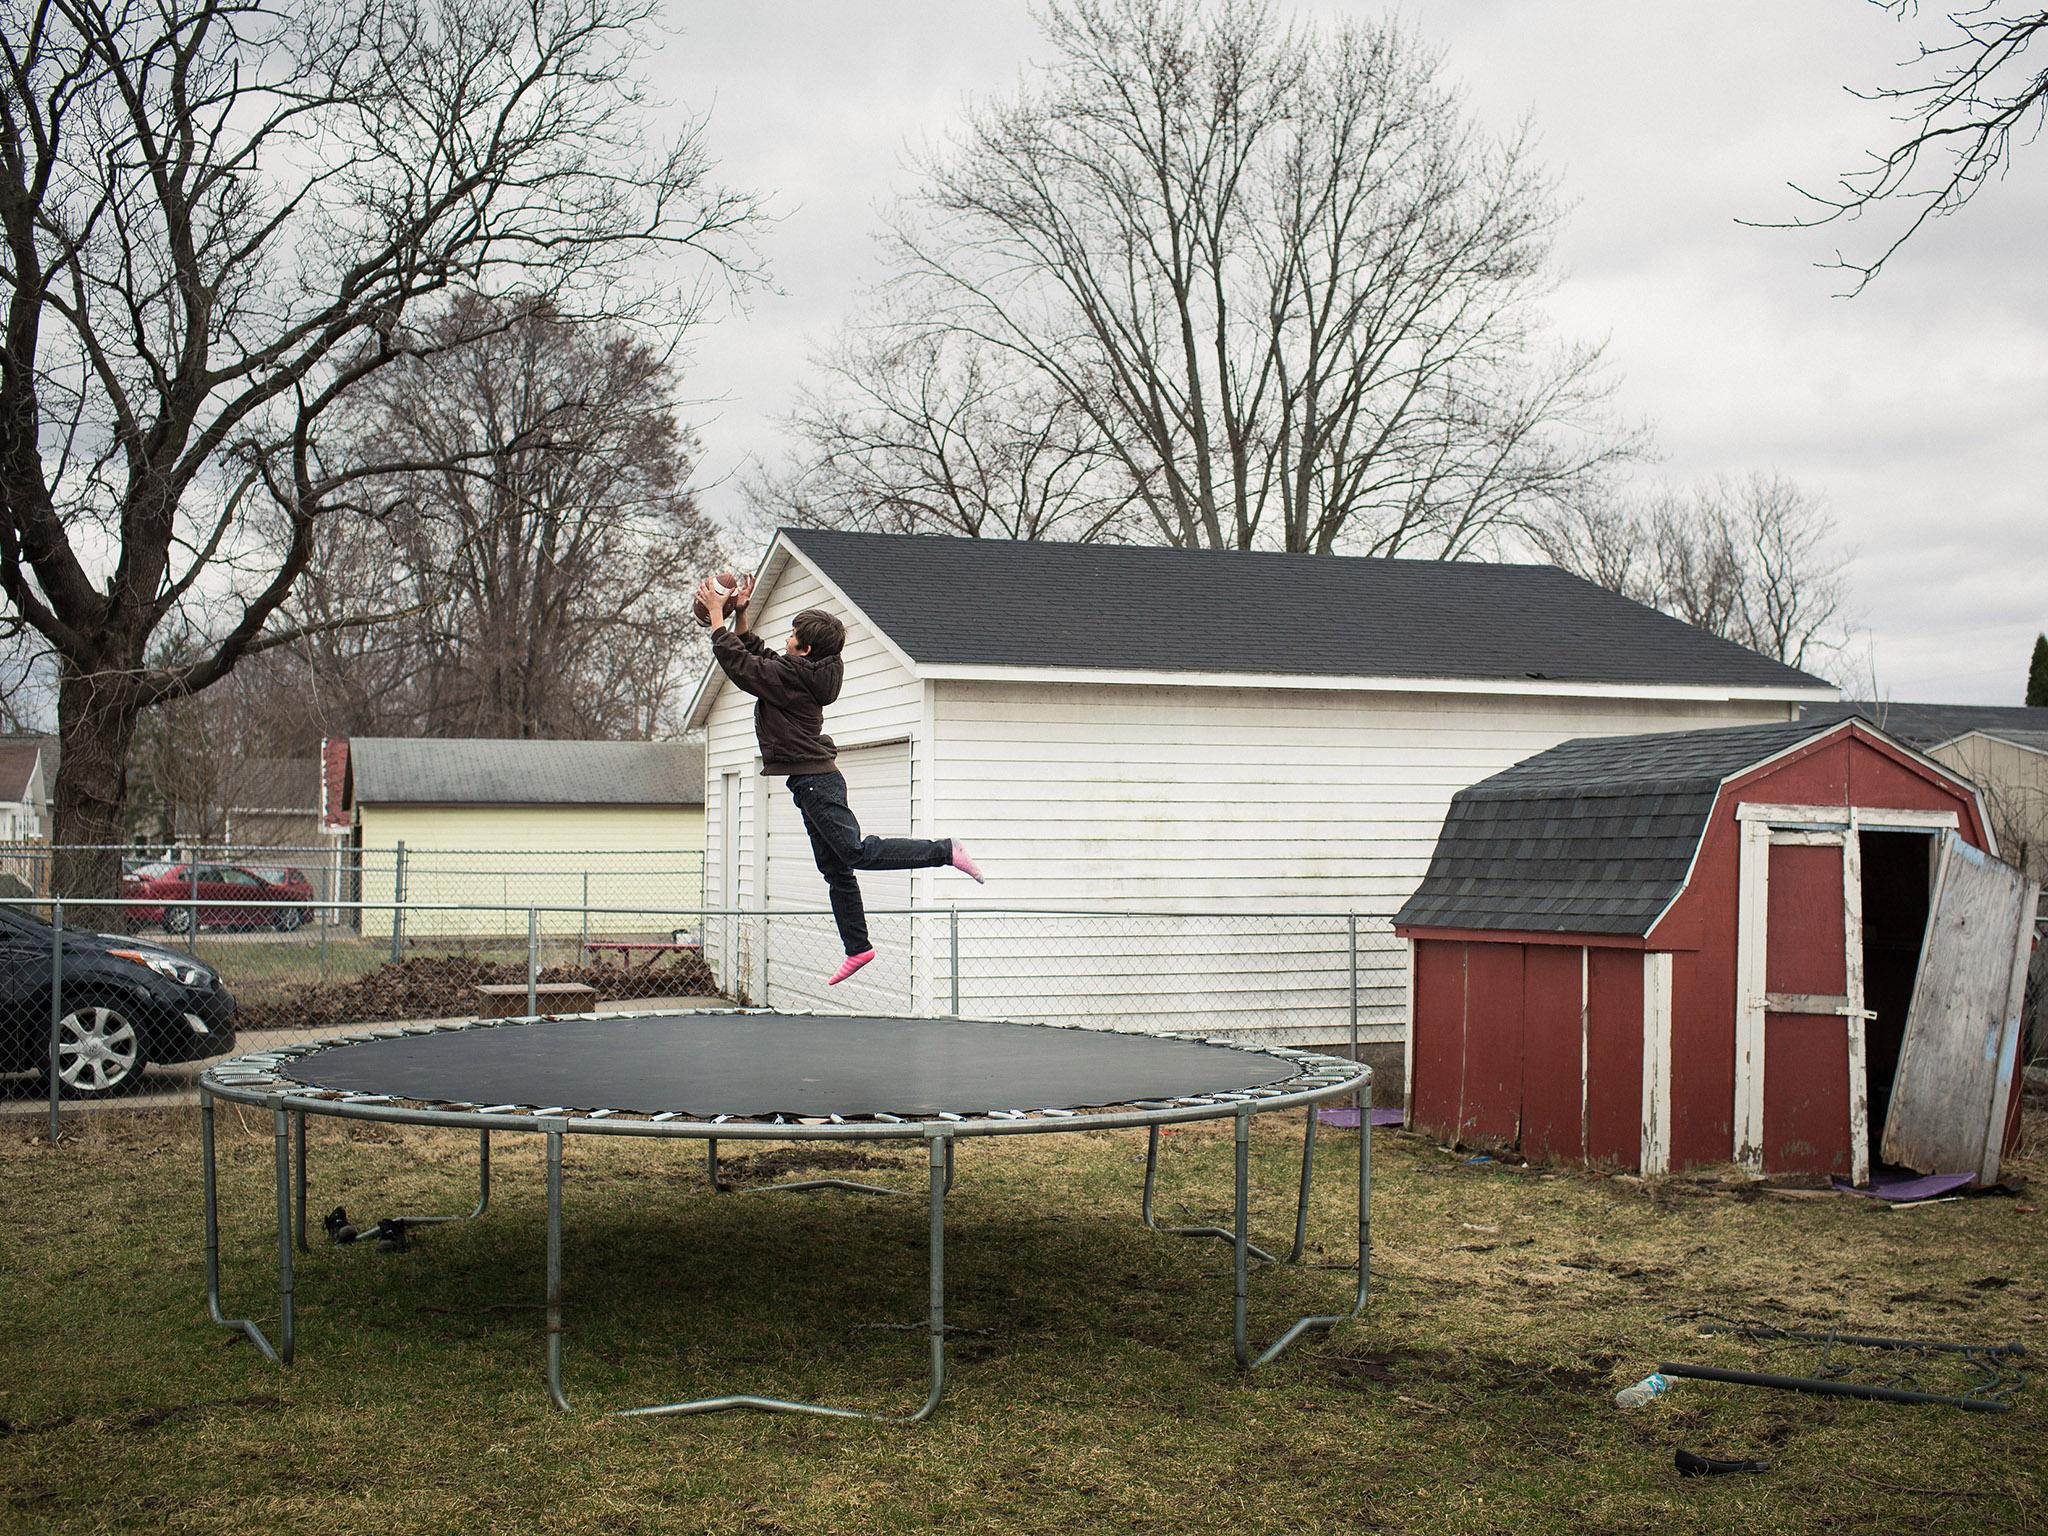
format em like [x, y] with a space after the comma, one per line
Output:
[1254, 751]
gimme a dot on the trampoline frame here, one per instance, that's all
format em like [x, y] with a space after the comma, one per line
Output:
[256, 1079]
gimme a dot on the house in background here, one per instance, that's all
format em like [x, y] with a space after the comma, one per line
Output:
[272, 802]
[28, 772]
[2002, 749]
[1185, 733]
[513, 824]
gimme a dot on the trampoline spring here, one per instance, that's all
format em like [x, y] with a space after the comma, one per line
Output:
[947, 1114]
[715, 1119]
[889, 1119]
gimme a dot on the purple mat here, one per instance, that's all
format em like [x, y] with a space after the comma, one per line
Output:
[1908, 1187]
[1347, 1119]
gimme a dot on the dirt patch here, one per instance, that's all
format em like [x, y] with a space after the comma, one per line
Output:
[788, 1162]
[444, 987]
[1486, 1373]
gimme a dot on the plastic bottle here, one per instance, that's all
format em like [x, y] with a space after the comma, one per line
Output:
[1649, 1389]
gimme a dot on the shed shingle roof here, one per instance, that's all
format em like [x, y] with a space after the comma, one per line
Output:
[1000, 602]
[388, 770]
[1593, 836]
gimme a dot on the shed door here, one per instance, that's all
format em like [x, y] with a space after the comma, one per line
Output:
[1802, 1094]
[1956, 1066]
[802, 942]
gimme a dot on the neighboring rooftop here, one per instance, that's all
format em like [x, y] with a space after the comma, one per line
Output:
[1929, 725]
[388, 770]
[18, 757]
[1593, 836]
[1015, 603]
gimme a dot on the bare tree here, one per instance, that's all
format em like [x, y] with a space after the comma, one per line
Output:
[917, 431]
[219, 217]
[1258, 284]
[1970, 95]
[548, 555]
[1751, 558]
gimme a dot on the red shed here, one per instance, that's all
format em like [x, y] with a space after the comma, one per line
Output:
[1701, 946]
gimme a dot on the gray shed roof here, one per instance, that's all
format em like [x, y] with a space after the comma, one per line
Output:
[1929, 725]
[1015, 603]
[1593, 836]
[392, 770]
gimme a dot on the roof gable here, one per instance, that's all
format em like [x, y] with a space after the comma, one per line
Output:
[18, 759]
[390, 770]
[1015, 603]
[1596, 835]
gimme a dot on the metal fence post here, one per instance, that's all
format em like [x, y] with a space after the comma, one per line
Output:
[585, 950]
[532, 960]
[953, 943]
[56, 1002]
[1351, 922]
[397, 900]
[191, 904]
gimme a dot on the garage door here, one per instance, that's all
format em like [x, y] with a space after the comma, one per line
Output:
[803, 947]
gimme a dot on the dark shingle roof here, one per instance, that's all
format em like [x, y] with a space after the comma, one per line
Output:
[1593, 836]
[1929, 725]
[392, 770]
[1000, 602]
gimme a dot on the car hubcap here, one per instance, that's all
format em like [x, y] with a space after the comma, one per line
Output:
[96, 1049]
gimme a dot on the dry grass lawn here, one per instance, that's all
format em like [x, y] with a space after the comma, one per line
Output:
[1092, 1384]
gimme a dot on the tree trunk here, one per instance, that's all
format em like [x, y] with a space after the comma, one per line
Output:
[96, 717]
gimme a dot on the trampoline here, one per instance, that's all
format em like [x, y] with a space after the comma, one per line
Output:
[758, 1075]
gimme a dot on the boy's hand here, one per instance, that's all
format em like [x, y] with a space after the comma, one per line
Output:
[740, 600]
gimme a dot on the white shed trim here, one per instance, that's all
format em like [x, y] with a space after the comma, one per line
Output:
[1544, 687]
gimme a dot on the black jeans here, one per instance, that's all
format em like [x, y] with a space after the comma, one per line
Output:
[840, 849]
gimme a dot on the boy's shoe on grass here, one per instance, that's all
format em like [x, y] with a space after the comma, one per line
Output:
[964, 864]
[849, 965]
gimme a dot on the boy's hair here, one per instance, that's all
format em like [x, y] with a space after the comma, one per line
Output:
[818, 632]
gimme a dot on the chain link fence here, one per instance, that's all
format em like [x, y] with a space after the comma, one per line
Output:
[105, 1001]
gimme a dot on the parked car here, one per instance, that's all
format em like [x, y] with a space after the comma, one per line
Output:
[125, 1003]
[178, 886]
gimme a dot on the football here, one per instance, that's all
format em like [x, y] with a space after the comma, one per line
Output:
[727, 583]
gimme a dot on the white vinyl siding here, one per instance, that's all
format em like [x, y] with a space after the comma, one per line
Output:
[1227, 808]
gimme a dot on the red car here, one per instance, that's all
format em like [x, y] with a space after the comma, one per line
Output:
[176, 885]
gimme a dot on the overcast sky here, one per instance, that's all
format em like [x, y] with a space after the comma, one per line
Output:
[1918, 410]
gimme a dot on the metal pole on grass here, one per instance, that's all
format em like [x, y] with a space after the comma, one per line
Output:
[532, 960]
[397, 900]
[1351, 921]
[953, 940]
[56, 1002]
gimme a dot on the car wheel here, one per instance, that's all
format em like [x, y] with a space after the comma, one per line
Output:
[177, 919]
[99, 1052]
[289, 918]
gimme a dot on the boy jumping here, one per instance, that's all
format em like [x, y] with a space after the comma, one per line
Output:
[791, 692]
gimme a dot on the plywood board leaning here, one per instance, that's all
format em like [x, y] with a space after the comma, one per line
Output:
[1956, 1065]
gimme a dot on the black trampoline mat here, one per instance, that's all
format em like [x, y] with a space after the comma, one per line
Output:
[756, 1065]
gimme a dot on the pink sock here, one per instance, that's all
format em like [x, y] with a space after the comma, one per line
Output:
[849, 965]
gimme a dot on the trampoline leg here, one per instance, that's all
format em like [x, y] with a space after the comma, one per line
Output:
[555, 1270]
[940, 1168]
[483, 1190]
[711, 1165]
[1241, 1300]
[210, 1200]
[1308, 1168]
[1223, 1234]
[299, 1180]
